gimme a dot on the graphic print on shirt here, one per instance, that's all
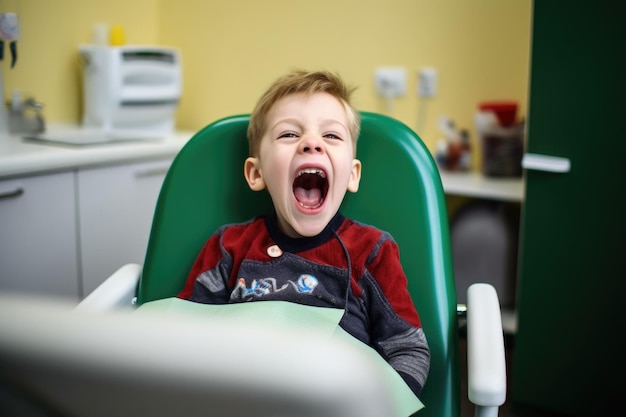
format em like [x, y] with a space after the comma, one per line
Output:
[289, 278]
[305, 284]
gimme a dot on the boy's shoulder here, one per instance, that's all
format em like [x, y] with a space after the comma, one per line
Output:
[358, 230]
[254, 223]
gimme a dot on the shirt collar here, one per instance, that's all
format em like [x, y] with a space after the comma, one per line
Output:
[299, 244]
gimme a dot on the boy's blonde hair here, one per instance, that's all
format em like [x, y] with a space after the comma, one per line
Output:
[301, 82]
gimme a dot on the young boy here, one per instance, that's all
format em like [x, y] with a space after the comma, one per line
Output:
[302, 144]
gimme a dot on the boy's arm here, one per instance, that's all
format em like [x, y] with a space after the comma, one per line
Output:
[409, 355]
[396, 329]
[208, 278]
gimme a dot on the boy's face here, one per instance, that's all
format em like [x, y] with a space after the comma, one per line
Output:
[306, 162]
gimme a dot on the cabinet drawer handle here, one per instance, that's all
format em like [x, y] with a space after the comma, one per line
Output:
[546, 163]
[11, 194]
[151, 172]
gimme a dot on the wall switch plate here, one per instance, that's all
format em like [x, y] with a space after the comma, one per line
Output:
[427, 82]
[390, 81]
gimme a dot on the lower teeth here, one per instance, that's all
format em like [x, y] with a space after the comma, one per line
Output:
[310, 207]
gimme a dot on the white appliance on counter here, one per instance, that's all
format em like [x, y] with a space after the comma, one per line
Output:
[130, 92]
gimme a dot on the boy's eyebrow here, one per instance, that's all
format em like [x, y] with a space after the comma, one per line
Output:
[331, 124]
[334, 121]
[288, 120]
[295, 121]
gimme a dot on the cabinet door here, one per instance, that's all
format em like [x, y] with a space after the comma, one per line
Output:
[116, 206]
[568, 358]
[38, 245]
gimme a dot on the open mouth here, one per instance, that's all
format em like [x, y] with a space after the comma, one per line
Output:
[310, 188]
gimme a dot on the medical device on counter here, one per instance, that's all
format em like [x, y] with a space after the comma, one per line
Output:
[9, 33]
[130, 92]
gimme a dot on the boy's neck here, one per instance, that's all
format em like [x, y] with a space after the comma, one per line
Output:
[293, 245]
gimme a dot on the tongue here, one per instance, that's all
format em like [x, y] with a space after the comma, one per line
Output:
[308, 197]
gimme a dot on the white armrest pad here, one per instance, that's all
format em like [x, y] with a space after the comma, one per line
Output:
[117, 291]
[486, 364]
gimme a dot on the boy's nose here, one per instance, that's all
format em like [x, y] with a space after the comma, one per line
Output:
[311, 144]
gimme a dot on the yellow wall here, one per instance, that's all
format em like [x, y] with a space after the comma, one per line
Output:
[232, 50]
[51, 30]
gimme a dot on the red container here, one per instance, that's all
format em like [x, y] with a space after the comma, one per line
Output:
[506, 111]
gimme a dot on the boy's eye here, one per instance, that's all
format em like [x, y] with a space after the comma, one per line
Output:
[288, 135]
[332, 136]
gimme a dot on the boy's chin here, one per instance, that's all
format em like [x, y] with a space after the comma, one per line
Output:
[310, 228]
[307, 232]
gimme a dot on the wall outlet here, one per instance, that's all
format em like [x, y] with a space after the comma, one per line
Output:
[390, 81]
[427, 82]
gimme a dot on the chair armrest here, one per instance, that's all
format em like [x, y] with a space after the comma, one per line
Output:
[117, 291]
[486, 364]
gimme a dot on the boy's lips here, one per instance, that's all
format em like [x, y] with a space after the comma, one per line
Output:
[310, 187]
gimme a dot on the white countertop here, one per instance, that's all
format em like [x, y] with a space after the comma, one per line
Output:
[475, 184]
[19, 156]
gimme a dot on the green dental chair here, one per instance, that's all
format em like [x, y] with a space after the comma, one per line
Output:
[400, 192]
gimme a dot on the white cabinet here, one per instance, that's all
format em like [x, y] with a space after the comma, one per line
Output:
[71, 216]
[62, 234]
[115, 209]
[38, 235]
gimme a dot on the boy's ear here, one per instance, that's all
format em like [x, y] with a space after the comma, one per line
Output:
[355, 176]
[253, 175]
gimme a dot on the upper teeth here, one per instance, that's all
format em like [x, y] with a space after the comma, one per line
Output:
[312, 171]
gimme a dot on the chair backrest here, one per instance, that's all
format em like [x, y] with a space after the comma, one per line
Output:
[400, 192]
